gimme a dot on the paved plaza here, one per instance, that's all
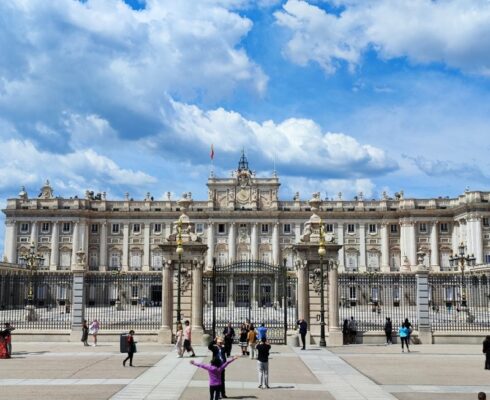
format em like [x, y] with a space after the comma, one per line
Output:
[70, 371]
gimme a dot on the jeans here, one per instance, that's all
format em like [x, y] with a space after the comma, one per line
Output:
[263, 369]
[252, 350]
[214, 392]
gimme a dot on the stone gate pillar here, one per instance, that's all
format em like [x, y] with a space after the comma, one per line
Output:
[197, 298]
[334, 332]
[302, 271]
[422, 276]
[165, 332]
[78, 297]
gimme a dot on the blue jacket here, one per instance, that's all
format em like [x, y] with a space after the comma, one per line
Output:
[403, 331]
[262, 332]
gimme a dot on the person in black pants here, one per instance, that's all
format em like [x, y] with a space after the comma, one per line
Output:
[388, 331]
[229, 334]
[303, 328]
[486, 350]
[219, 353]
[131, 349]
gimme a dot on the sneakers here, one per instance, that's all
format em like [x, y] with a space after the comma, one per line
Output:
[193, 355]
[260, 386]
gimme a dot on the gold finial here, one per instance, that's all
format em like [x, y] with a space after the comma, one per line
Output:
[180, 249]
[321, 249]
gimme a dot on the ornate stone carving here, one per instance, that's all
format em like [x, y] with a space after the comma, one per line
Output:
[315, 278]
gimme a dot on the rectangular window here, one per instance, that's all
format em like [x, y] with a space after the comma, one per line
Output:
[136, 228]
[372, 228]
[487, 258]
[134, 292]
[115, 228]
[157, 228]
[423, 227]
[199, 228]
[24, 227]
[351, 228]
[66, 227]
[485, 222]
[394, 228]
[287, 228]
[264, 228]
[329, 228]
[45, 227]
[221, 229]
[94, 228]
[443, 227]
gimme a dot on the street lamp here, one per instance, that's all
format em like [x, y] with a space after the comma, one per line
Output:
[322, 252]
[462, 260]
[32, 260]
[118, 274]
[179, 251]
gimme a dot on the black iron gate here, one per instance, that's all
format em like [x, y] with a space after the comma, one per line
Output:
[250, 291]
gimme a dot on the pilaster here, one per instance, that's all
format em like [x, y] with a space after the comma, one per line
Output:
[146, 247]
[165, 335]
[53, 262]
[362, 247]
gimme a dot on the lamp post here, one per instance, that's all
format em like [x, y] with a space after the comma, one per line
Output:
[32, 259]
[179, 251]
[117, 273]
[322, 252]
[462, 260]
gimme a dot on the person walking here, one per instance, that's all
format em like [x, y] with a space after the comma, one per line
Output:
[388, 331]
[303, 328]
[179, 341]
[486, 351]
[252, 341]
[263, 349]
[94, 330]
[345, 332]
[214, 370]
[404, 335]
[243, 339]
[352, 330]
[187, 339]
[85, 332]
[262, 332]
[229, 336]
[8, 337]
[219, 352]
[409, 327]
[131, 346]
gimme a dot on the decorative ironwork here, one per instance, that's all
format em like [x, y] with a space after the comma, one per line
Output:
[371, 297]
[250, 291]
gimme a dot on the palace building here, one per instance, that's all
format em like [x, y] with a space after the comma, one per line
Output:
[244, 219]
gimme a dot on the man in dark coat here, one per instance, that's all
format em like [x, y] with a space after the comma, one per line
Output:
[219, 353]
[229, 335]
[388, 331]
[486, 350]
[303, 328]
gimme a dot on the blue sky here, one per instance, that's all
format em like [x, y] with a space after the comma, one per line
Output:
[344, 95]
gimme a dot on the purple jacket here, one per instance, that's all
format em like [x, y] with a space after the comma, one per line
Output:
[214, 372]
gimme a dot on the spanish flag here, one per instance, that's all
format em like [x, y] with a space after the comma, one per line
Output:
[212, 152]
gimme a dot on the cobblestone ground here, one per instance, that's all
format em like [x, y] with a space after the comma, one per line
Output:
[70, 371]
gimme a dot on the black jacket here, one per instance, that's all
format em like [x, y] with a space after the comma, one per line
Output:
[218, 352]
[303, 326]
[486, 346]
[263, 352]
[388, 327]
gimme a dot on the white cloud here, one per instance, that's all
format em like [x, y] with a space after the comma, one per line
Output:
[300, 143]
[452, 32]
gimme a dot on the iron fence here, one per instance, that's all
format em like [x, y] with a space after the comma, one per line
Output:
[371, 297]
[50, 306]
[447, 309]
[123, 301]
[253, 291]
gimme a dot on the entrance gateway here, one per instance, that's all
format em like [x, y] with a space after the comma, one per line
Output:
[252, 291]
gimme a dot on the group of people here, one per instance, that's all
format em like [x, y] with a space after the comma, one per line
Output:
[92, 329]
[6, 341]
[349, 331]
[248, 338]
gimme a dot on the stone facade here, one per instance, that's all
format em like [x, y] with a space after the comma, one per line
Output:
[243, 218]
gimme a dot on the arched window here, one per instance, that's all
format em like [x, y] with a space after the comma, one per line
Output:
[156, 260]
[135, 259]
[242, 293]
[351, 260]
[265, 292]
[221, 293]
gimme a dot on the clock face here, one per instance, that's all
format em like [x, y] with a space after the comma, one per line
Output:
[243, 196]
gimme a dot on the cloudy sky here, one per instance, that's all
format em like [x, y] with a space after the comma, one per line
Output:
[341, 95]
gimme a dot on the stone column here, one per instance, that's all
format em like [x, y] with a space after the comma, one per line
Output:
[103, 247]
[146, 248]
[434, 247]
[74, 246]
[341, 253]
[474, 242]
[11, 241]
[275, 244]
[53, 262]
[34, 232]
[334, 331]
[455, 240]
[425, 332]
[78, 297]
[408, 243]
[255, 242]
[231, 243]
[165, 333]
[231, 302]
[302, 272]
[210, 245]
[297, 232]
[362, 247]
[125, 250]
[197, 326]
[385, 248]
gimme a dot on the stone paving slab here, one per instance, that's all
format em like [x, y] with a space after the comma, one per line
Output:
[270, 394]
[71, 392]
